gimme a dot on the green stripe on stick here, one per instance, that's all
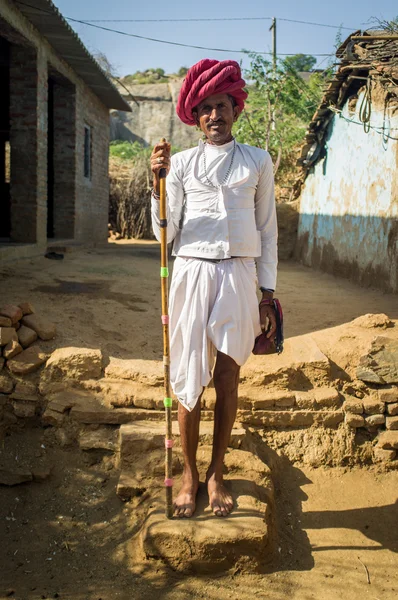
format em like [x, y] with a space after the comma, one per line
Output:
[168, 402]
[164, 271]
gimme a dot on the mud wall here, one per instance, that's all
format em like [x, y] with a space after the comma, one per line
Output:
[153, 116]
[348, 222]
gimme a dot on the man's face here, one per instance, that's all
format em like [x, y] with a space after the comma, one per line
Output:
[215, 116]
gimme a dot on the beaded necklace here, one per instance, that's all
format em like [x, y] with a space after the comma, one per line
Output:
[228, 173]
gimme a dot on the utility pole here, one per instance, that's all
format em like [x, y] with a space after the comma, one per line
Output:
[273, 29]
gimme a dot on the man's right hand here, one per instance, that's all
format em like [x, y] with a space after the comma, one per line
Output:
[160, 159]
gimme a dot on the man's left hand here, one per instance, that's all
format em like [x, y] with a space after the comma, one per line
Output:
[268, 320]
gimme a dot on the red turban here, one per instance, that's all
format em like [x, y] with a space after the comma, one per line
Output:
[206, 78]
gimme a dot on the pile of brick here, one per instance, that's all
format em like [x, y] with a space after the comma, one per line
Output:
[374, 411]
[20, 354]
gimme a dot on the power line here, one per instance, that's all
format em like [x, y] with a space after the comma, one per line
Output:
[195, 20]
[142, 37]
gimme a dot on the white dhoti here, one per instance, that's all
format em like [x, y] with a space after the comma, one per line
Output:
[213, 306]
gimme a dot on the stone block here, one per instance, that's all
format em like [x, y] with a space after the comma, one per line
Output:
[27, 308]
[330, 418]
[25, 390]
[353, 405]
[354, 420]
[14, 476]
[5, 322]
[24, 409]
[285, 400]
[279, 399]
[6, 384]
[64, 400]
[392, 422]
[128, 487]
[380, 364]
[100, 439]
[305, 400]
[7, 334]
[370, 321]
[143, 371]
[27, 361]
[13, 348]
[52, 417]
[375, 420]
[326, 397]
[392, 409]
[372, 405]
[95, 413]
[73, 363]
[44, 329]
[381, 455]
[26, 336]
[388, 439]
[388, 395]
[12, 312]
[205, 543]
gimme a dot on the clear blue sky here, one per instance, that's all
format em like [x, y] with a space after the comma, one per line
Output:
[129, 54]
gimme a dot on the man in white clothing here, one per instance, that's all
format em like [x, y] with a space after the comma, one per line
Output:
[221, 217]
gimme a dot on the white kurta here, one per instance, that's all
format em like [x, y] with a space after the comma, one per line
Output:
[213, 306]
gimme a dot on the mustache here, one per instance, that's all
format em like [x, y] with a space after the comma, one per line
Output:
[217, 122]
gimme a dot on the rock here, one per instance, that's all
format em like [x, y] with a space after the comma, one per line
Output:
[392, 409]
[13, 348]
[381, 455]
[66, 399]
[388, 395]
[73, 363]
[296, 418]
[27, 308]
[44, 329]
[380, 364]
[100, 439]
[7, 334]
[388, 439]
[392, 423]
[14, 476]
[272, 399]
[24, 409]
[375, 420]
[354, 421]
[6, 384]
[64, 438]
[305, 400]
[353, 405]
[326, 397]
[27, 361]
[52, 417]
[128, 487]
[371, 321]
[26, 336]
[25, 391]
[372, 405]
[12, 312]
[40, 474]
[143, 371]
[207, 544]
[5, 322]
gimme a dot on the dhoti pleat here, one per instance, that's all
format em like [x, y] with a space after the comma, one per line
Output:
[213, 306]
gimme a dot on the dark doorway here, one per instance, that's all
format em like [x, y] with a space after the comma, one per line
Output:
[5, 151]
[50, 161]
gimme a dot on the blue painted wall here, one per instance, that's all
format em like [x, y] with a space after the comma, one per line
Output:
[349, 203]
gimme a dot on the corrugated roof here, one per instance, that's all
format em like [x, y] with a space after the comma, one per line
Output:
[47, 19]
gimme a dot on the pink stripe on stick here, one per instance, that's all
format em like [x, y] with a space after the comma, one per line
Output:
[168, 482]
[165, 319]
[169, 443]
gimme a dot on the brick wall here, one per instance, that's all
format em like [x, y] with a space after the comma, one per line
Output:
[80, 205]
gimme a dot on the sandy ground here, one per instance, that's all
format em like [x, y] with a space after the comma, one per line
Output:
[71, 537]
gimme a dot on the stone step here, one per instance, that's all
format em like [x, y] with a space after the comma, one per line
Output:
[145, 436]
[206, 543]
[388, 440]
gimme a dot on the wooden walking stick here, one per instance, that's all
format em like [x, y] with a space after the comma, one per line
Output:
[164, 279]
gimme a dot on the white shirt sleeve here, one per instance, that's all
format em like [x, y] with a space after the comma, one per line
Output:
[265, 212]
[174, 202]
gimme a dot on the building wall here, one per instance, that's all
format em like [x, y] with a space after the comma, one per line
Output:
[29, 188]
[349, 204]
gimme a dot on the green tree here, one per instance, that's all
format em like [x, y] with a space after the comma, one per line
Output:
[301, 62]
[278, 110]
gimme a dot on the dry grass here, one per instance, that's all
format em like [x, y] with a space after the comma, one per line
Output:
[130, 197]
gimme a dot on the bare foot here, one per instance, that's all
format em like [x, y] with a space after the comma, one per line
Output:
[219, 498]
[184, 504]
